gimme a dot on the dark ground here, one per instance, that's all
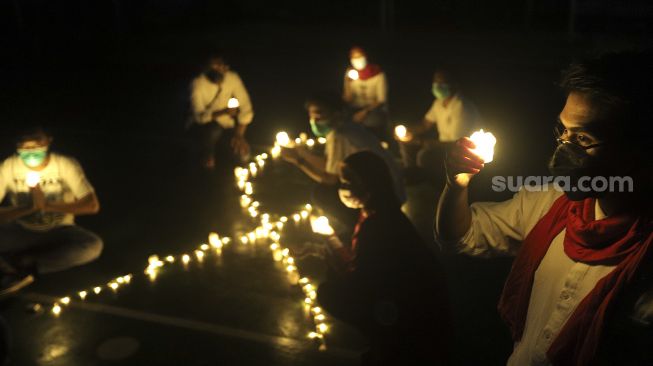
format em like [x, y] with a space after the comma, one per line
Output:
[119, 108]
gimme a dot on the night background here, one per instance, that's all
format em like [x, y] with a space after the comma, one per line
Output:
[110, 79]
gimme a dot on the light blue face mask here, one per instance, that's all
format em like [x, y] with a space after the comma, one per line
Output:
[33, 157]
[441, 90]
[320, 129]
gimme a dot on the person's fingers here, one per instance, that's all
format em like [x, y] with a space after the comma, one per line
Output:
[456, 169]
[465, 158]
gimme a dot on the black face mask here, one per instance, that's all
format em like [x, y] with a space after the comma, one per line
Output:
[214, 76]
[571, 160]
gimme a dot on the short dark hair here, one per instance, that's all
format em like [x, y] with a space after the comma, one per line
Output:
[31, 133]
[619, 85]
[327, 101]
[375, 179]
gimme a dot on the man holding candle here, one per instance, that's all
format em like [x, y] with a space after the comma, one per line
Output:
[45, 191]
[581, 287]
[343, 138]
[365, 91]
[451, 117]
[220, 105]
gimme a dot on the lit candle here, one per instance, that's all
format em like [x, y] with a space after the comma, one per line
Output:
[283, 139]
[249, 189]
[296, 218]
[310, 142]
[304, 214]
[185, 259]
[214, 238]
[276, 151]
[233, 103]
[33, 179]
[401, 132]
[484, 142]
[245, 201]
[170, 259]
[56, 309]
[352, 74]
[82, 294]
[65, 300]
[320, 225]
[97, 290]
[114, 286]
[200, 255]
[321, 140]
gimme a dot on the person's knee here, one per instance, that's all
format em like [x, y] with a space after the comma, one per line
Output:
[90, 249]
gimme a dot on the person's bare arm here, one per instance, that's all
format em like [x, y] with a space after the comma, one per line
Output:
[86, 205]
[9, 214]
[453, 217]
[312, 165]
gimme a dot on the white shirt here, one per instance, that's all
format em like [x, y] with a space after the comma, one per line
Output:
[351, 138]
[62, 180]
[560, 284]
[363, 93]
[457, 119]
[208, 97]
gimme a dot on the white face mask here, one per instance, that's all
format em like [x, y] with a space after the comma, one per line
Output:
[359, 63]
[349, 200]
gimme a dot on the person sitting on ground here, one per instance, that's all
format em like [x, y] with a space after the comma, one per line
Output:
[45, 191]
[365, 91]
[221, 108]
[451, 117]
[387, 283]
[343, 138]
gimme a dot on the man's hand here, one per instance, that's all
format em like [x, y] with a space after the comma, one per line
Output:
[360, 116]
[38, 199]
[233, 112]
[240, 145]
[290, 154]
[461, 163]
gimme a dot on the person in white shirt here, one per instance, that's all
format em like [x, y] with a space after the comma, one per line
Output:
[343, 138]
[365, 91]
[450, 117]
[220, 105]
[45, 191]
[580, 290]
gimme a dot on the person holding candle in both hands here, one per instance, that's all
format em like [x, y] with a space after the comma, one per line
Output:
[365, 91]
[220, 105]
[343, 138]
[581, 287]
[451, 117]
[37, 231]
[386, 282]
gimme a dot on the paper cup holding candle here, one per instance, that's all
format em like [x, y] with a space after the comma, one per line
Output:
[320, 225]
[402, 133]
[283, 139]
[32, 179]
[484, 142]
[233, 103]
[352, 74]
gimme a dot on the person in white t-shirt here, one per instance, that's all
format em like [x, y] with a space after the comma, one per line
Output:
[580, 291]
[220, 105]
[45, 191]
[365, 91]
[343, 138]
[450, 117]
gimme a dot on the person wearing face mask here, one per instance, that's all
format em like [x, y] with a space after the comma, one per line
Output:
[45, 191]
[580, 291]
[386, 282]
[365, 91]
[450, 117]
[220, 109]
[343, 138]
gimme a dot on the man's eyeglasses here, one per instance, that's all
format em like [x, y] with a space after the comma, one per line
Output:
[580, 139]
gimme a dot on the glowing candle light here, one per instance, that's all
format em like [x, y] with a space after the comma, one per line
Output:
[283, 139]
[244, 239]
[274, 246]
[127, 278]
[484, 142]
[245, 200]
[277, 255]
[322, 328]
[214, 239]
[249, 189]
[252, 169]
[352, 74]
[82, 294]
[312, 295]
[226, 240]
[252, 237]
[298, 141]
[204, 247]
[314, 335]
[200, 255]
[304, 214]
[153, 259]
[308, 207]
[317, 310]
[170, 259]
[33, 179]
[56, 309]
[290, 260]
[185, 259]
[275, 151]
[233, 103]
[241, 184]
[320, 225]
[285, 252]
[114, 286]
[65, 300]
[279, 225]
[304, 280]
[265, 218]
[264, 156]
[296, 218]
[401, 132]
[320, 318]
[97, 290]
[310, 142]
[321, 140]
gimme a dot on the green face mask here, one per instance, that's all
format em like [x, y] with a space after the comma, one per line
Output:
[441, 91]
[33, 157]
[320, 129]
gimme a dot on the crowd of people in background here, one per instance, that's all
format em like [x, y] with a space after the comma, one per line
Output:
[580, 291]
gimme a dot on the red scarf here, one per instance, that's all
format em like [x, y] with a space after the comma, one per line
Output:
[369, 72]
[621, 241]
